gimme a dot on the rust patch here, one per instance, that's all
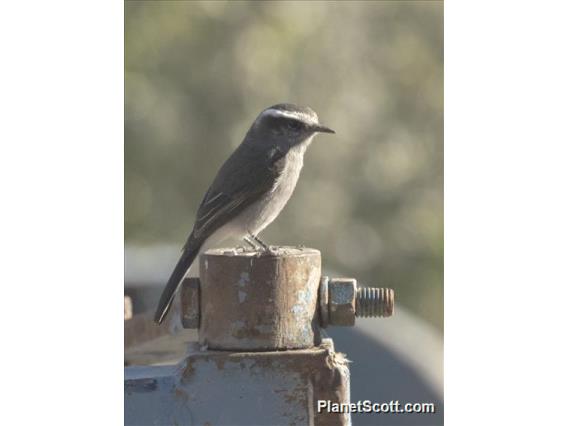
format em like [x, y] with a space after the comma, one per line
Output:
[181, 394]
[336, 360]
[188, 370]
[320, 374]
[220, 361]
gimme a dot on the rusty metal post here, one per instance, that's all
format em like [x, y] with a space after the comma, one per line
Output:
[260, 301]
[261, 357]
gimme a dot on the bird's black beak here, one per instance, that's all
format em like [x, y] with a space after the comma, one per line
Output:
[322, 129]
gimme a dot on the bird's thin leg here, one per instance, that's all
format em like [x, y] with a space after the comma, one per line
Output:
[259, 241]
[250, 243]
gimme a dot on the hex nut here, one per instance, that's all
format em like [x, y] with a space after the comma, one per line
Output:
[342, 296]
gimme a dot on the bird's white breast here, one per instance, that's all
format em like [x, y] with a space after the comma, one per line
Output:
[264, 211]
[261, 213]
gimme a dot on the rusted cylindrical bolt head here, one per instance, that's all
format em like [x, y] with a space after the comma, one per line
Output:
[342, 296]
[260, 301]
[190, 306]
[374, 302]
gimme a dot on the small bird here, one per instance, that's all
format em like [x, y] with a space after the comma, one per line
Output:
[251, 188]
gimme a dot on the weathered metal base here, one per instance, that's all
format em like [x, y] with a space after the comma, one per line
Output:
[240, 388]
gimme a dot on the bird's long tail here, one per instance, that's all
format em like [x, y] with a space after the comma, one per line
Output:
[189, 253]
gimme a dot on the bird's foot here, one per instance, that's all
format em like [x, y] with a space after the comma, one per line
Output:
[251, 246]
[265, 246]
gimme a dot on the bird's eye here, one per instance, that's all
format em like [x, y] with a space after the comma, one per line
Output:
[294, 125]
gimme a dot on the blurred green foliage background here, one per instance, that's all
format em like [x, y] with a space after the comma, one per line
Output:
[370, 198]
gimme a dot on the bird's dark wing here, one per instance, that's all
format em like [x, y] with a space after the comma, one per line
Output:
[242, 180]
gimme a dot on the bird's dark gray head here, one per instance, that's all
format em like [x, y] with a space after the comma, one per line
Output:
[289, 124]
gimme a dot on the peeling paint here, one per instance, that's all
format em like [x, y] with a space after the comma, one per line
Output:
[220, 361]
[181, 394]
[306, 330]
[244, 279]
[282, 386]
[188, 369]
[297, 309]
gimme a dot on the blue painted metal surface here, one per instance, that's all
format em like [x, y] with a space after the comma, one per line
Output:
[230, 388]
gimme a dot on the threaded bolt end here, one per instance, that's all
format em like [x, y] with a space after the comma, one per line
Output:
[374, 302]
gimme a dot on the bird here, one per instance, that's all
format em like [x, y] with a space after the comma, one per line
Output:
[250, 189]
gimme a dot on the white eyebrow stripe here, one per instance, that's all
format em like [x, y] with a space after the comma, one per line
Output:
[290, 114]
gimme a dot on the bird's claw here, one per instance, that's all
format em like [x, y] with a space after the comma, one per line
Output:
[265, 246]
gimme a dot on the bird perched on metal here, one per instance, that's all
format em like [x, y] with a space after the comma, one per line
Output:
[251, 188]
